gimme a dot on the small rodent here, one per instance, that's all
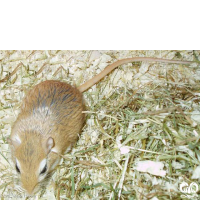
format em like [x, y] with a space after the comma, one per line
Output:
[49, 123]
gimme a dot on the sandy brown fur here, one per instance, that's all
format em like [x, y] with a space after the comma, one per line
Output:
[50, 109]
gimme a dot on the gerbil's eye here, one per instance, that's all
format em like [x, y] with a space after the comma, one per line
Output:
[17, 168]
[44, 169]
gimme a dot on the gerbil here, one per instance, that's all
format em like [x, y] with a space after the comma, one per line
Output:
[49, 123]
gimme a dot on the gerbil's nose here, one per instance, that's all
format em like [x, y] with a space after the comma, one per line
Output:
[29, 183]
[30, 190]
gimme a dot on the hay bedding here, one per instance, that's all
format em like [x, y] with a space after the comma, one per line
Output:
[141, 137]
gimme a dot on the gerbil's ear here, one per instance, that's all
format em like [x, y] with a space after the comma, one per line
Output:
[49, 144]
[14, 142]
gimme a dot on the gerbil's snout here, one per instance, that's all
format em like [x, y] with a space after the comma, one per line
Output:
[29, 185]
[29, 190]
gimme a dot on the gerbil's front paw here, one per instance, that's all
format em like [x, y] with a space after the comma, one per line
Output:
[69, 148]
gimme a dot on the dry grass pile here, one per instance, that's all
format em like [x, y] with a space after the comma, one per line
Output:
[141, 136]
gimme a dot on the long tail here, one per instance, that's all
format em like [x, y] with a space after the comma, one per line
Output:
[109, 68]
